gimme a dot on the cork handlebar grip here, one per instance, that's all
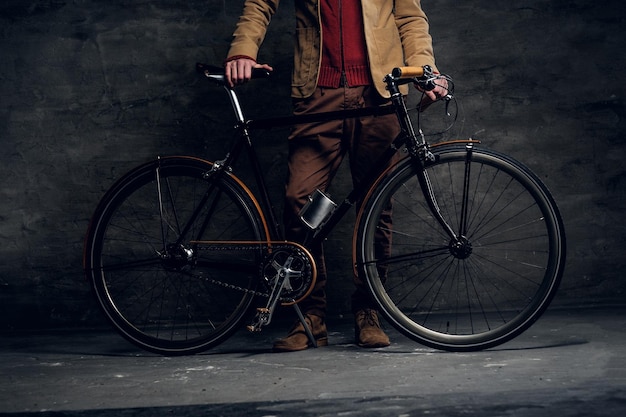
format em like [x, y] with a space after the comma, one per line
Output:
[408, 72]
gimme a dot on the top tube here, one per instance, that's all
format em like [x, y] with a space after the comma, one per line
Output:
[424, 77]
[217, 75]
[401, 75]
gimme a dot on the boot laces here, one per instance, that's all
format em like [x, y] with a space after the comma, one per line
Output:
[369, 317]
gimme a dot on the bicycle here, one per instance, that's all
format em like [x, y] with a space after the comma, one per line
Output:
[179, 251]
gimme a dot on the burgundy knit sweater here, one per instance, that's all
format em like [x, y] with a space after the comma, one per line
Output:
[343, 49]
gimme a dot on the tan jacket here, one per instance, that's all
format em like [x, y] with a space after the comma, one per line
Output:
[396, 33]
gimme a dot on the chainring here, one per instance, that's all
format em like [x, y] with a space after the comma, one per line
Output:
[302, 266]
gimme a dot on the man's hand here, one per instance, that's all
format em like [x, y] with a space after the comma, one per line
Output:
[440, 90]
[239, 71]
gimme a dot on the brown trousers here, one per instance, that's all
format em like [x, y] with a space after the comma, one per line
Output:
[316, 151]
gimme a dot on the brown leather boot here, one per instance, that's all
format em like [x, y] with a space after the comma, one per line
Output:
[297, 338]
[368, 332]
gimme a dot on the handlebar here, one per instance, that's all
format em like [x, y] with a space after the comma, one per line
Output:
[422, 76]
[410, 72]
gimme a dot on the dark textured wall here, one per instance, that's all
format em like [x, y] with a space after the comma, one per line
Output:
[90, 88]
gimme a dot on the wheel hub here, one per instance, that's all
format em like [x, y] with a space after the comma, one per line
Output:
[175, 257]
[461, 248]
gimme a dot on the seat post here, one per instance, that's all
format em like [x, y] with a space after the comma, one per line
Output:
[234, 101]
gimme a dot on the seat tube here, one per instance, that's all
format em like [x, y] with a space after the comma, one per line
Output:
[243, 128]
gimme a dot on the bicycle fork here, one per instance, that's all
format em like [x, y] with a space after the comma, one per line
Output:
[427, 189]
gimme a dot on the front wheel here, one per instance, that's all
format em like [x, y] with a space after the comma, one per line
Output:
[483, 287]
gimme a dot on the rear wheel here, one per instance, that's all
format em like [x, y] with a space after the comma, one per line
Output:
[161, 289]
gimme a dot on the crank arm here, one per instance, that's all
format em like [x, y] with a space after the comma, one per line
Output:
[264, 314]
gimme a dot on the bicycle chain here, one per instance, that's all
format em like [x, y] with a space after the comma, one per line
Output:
[234, 287]
[262, 246]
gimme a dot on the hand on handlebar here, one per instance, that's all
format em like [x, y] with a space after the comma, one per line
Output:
[440, 90]
[239, 71]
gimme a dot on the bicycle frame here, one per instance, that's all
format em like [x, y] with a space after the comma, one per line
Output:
[417, 149]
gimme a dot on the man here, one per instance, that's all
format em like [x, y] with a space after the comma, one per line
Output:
[343, 50]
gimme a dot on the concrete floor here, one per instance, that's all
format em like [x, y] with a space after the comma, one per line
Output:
[570, 363]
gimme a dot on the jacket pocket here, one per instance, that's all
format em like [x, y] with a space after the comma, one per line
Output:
[388, 49]
[306, 57]
[385, 53]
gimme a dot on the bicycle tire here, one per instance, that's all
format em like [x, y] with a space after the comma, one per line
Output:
[164, 297]
[494, 288]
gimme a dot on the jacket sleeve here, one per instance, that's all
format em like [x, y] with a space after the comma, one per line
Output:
[414, 33]
[252, 27]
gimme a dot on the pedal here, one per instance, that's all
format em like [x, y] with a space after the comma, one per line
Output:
[261, 319]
